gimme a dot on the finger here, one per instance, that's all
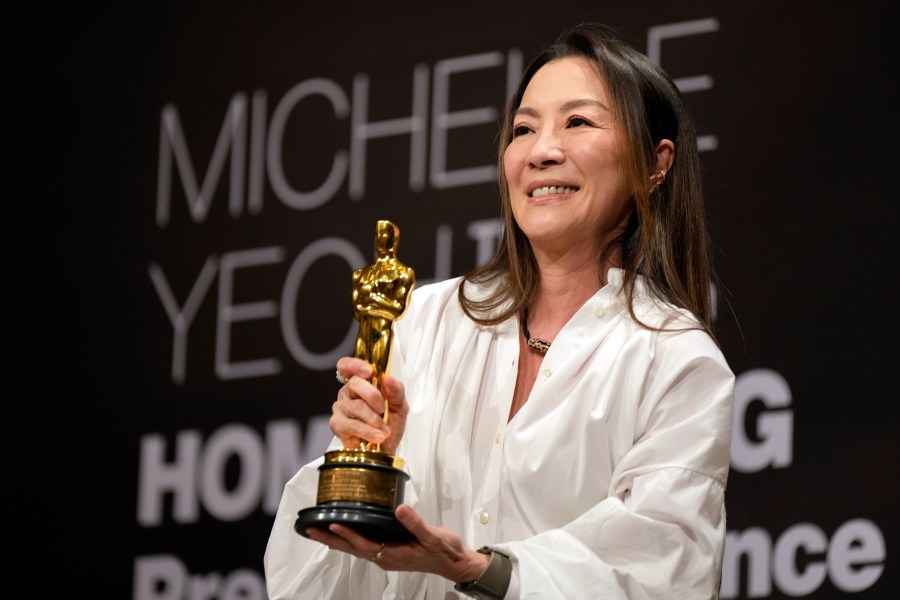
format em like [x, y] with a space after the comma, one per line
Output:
[399, 410]
[353, 417]
[351, 431]
[344, 539]
[344, 432]
[349, 366]
[353, 538]
[361, 389]
[395, 393]
[361, 545]
[413, 522]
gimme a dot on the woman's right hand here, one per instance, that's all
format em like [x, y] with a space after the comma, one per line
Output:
[357, 414]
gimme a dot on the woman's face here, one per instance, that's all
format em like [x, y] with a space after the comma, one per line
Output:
[563, 166]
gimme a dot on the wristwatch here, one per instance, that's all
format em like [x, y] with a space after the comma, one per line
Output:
[494, 582]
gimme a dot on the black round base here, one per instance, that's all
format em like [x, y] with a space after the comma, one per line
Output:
[376, 523]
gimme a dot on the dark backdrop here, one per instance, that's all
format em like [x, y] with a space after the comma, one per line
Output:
[134, 449]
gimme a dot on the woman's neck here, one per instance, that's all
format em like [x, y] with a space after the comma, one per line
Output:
[559, 296]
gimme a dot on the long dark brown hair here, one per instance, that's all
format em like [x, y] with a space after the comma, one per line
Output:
[666, 239]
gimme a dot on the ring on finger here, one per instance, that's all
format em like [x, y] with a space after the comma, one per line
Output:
[379, 553]
[341, 379]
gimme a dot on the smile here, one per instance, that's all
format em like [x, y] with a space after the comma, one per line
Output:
[550, 190]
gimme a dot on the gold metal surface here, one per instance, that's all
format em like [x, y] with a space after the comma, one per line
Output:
[380, 293]
[364, 457]
[361, 487]
[351, 484]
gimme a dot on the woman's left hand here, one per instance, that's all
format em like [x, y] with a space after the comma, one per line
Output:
[435, 550]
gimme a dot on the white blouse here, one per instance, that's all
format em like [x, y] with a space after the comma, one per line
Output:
[608, 483]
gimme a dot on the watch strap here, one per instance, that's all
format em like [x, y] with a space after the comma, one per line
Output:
[494, 582]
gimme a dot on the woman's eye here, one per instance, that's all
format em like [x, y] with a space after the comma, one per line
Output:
[578, 122]
[520, 130]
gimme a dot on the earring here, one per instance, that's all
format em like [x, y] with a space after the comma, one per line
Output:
[660, 178]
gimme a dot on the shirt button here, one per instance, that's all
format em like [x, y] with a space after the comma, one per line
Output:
[483, 518]
[547, 374]
[497, 438]
[599, 311]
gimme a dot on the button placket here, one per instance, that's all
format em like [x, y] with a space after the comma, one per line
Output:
[485, 510]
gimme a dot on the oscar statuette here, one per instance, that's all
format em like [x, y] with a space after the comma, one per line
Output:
[361, 487]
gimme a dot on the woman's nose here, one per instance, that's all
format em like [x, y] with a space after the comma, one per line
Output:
[546, 150]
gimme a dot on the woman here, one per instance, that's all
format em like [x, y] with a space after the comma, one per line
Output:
[565, 405]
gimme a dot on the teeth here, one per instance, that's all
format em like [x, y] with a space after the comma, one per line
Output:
[547, 190]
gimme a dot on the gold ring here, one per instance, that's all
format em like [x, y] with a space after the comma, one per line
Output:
[379, 553]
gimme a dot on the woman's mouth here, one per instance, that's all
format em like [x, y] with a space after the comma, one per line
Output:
[552, 190]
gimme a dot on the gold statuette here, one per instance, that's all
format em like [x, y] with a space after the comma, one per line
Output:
[361, 487]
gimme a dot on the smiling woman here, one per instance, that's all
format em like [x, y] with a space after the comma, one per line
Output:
[567, 189]
[564, 407]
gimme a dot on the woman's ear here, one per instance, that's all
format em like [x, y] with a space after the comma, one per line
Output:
[665, 156]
